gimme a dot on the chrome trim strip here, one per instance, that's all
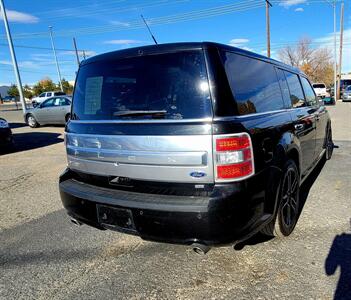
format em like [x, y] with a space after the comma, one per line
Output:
[248, 115]
[169, 158]
[204, 120]
[139, 157]
[142, 172]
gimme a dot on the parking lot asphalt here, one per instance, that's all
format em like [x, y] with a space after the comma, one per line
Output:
[44, 256]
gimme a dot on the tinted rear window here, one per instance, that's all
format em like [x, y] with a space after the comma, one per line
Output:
[254, 84]
[174, 84]
[319, 86]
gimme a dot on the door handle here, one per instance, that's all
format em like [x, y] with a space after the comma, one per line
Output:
[299, 126]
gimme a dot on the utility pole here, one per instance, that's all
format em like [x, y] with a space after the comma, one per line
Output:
[13, 57]
[268, 4]
[341, 44]
[57, 65]
[335, 86]
[75, 49]
[333, 3]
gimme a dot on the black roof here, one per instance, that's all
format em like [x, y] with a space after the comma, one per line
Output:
[174, 47]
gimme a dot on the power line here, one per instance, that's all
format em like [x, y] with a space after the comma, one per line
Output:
[42, 48]
[137, 24]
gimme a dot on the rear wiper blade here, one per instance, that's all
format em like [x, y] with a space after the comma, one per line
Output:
[139, 112]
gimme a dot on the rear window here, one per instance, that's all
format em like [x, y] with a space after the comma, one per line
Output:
[59, 93]
[254, 84]
[164, 86]
[319, 86]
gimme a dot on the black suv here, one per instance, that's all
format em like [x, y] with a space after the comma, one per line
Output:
[191, 143]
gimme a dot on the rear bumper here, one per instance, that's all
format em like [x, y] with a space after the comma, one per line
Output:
[232, 213]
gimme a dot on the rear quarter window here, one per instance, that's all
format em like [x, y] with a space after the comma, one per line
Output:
[296, 93]
[253, 83]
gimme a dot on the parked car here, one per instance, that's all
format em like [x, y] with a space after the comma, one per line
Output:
[346, 96]
[9, 98]
[320, 89]
[55, 110]
[344, 83]
[6, 137]
[43, 96]
[329, 100]
[194, 143]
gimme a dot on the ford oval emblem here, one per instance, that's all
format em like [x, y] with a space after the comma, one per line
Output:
[197, 174]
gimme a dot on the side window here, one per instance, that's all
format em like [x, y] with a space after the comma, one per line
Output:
[42, 95]
[64, 101]
[310, 96]
[57, 102]
[254, 84]
[48, 94]
[296, 94]
[284, 87]
[49, 103]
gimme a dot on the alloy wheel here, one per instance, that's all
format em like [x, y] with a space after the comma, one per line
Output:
[289, 208]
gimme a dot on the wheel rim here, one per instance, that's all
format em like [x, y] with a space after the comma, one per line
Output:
[289, 209]
[330, 145]
[31, 121]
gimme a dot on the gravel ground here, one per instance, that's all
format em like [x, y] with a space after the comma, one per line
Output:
[43, 256]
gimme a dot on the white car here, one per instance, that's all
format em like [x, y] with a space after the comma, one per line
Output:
[320, 89]
[43, 96]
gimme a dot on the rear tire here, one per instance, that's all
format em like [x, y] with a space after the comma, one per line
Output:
[288, 209]
[31, 121]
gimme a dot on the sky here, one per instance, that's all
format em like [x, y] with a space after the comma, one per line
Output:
[101, 26]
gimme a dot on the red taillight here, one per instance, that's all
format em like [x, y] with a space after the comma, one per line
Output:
[232, 143]
[233, 157]
[235, 170]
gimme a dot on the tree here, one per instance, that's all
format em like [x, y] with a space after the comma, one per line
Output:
[13, 91]
[316, 63]
[44, 85]
[27, 92]
[67, 87]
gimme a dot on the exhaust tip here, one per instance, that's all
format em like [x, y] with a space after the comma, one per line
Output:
[76, 222]
[200, 249]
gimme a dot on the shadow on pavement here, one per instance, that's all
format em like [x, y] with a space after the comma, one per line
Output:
[34, 140]
[14, 125]
[308, 183]
[340, 256]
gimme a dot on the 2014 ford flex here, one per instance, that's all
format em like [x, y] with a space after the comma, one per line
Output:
[191, 143]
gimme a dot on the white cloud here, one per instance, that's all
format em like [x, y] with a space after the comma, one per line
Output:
[22, 64]
[122, 42]
[240, 43]
[20, 17]
[119, 23]
[288, 3]
[299, 9]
